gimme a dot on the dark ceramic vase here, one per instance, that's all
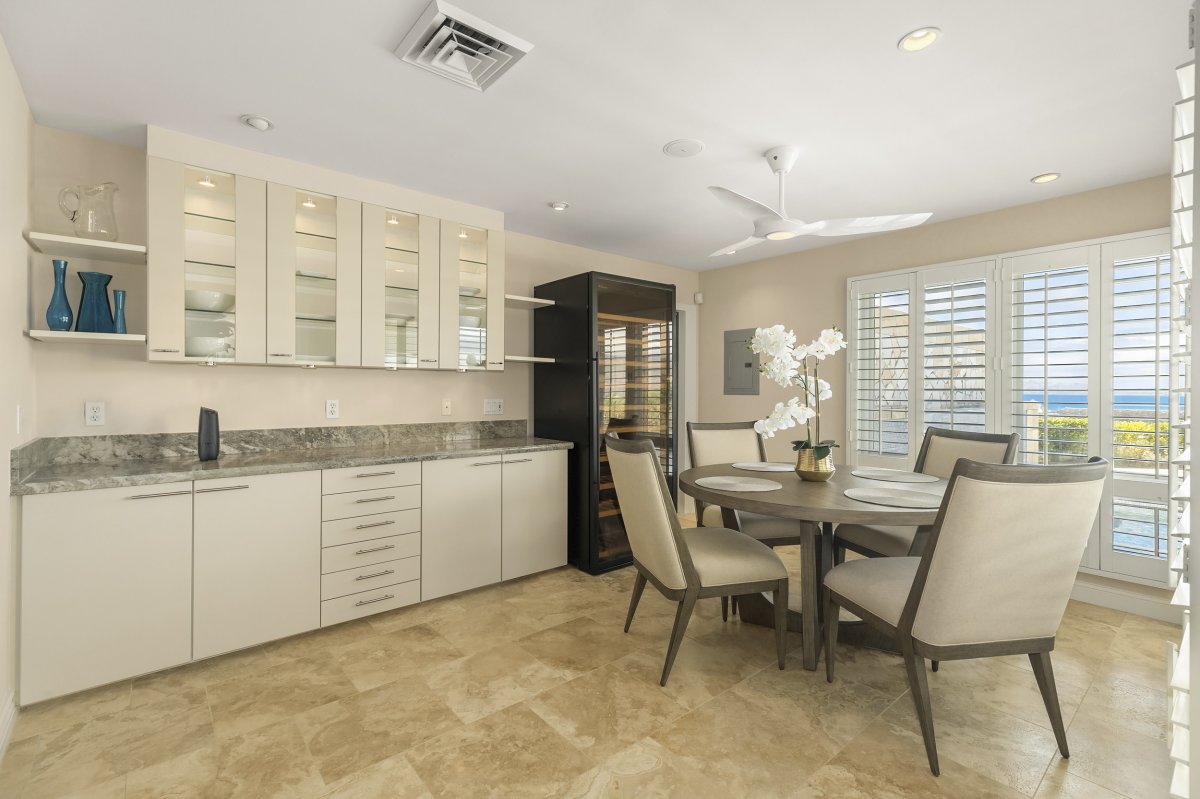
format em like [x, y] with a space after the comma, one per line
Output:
[95, 314]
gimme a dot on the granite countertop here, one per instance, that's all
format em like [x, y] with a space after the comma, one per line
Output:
[55, 478]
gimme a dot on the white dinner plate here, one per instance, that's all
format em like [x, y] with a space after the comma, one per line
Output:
[764, 466]
[893, 475]
[738, 484]
[896, 497]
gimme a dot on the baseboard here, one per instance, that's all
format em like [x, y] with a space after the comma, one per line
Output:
[8, 720]
[1140, 600]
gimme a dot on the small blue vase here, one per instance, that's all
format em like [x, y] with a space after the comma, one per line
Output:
[95, 314]
[119, 311]
[58, 314]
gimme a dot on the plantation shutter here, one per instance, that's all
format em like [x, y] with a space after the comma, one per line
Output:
[955, 365]
[880, 367]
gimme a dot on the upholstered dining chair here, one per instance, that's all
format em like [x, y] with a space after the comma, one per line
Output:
[686, 565]
[993, 580]
[737, 442]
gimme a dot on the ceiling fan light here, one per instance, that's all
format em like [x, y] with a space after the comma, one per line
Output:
[917, 40]
[781, 235]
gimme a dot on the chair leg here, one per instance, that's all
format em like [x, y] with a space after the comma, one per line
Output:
[724, 608]
[780, 598]
[933, 665]
[1044, 672]
[832, 614]
[919, 687]
[683, 614]
[639, 583]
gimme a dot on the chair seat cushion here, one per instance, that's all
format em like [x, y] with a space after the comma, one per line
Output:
[726, 557]
[759, 526]
[877, 585]
[890, 542]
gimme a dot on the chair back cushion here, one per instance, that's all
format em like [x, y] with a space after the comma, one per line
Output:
[638, 481]
[739, 445]
[944, 452]
[1003, 561]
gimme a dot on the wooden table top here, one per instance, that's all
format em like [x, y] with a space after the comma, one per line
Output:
[800, 499]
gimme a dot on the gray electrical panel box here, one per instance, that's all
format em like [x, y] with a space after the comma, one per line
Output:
[741, 365]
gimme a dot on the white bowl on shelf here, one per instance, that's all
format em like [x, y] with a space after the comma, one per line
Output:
[202, 300]
[468, 321]
[207, 346]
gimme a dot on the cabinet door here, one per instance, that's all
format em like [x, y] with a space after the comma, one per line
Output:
[472, 301]
[460, 525]
[106, 579]
[258, 560]
[534, 524]
[206, 276]
[399, 289]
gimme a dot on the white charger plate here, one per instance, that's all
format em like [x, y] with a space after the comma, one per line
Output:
[893, 475]
[738, 484]
[896, 497]
[764, 466]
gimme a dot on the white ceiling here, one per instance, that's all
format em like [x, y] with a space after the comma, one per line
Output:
[1013, 89]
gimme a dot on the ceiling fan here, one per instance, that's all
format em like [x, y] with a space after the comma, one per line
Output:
[777, 226]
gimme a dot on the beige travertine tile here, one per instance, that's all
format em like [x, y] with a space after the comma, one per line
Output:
[702, 670]
[645, 769]
[605, 710]
[184, 681]
[1060, 784]
[320, 640]
[484, 627]
[190, 775]
[1122, 761]
[1081, 649]
[1139, 652]
[265, 697]
[18, 765]
[406, 654]
[485, 682]
[109, 789]
[1127, 705]
[1083, 610]
[56, 714]
[993, 684]
[393, 778]
[510, 754]
[578, 646]
[346, 736]
[883, 671]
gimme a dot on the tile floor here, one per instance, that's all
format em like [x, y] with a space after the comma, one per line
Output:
[530, 689]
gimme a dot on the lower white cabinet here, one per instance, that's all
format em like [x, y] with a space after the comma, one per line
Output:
[106, 586]
[534, 522]
[257, 560]
[460, 526]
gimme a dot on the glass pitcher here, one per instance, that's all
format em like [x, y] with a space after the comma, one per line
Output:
[92, 213]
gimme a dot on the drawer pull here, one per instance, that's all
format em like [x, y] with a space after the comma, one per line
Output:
[429, 360]
[488, 463]
[372, 499]
[164, 494]
[158, 349]
[281, 355]
[520, 460]
[375, 524]
[375, 474]
[375, 549]
[220, 488]
[384, 598]
[376, 574]
[495, 363]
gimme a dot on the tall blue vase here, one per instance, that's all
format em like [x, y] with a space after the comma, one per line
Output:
[119, 311]
[95, 314]
[58, 314]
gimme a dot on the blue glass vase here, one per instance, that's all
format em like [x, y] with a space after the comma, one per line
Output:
[58, 314]
[119, 311]
[95, 314]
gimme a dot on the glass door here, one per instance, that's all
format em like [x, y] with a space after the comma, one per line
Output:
[316, 278]
[210, 265]
[472, 306]
[399, 289]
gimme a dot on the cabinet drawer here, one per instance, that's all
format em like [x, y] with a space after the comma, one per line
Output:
[365, 553]
[354, 606]
[362, 478]
[366, 578]
[363, 503]
[364, 528]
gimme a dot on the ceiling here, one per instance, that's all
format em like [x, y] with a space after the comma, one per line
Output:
[1013, 89]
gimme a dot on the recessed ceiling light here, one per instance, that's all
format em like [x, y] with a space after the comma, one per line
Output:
[308, 203]
[683, 148]
[207, 182]
[560, 206]
[919, 39]
[258, 123]
[1045, 177]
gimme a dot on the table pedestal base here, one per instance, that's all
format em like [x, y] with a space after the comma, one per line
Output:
[759, 609]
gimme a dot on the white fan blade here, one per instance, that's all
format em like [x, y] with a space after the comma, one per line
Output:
[741, 245]
[864, 224]
[743, 204]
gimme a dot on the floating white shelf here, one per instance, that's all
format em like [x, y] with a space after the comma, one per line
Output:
[74, 247]
[68, 336]
[517, 301]
[528, 359]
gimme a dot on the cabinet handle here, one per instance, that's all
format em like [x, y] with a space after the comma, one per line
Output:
[374, 474]
[376, 599]
[519, 460]
[372, 499]
[495, 363]
[376, 574]
[157, 349]
[375, 549]
[219, 488]
[164, 494]
[375, 524]
[429, 360]
[488, 463]
[281, 355]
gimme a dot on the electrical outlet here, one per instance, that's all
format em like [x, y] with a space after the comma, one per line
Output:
[93, 413]
[491, 407]
[331, 409]
[446, 407]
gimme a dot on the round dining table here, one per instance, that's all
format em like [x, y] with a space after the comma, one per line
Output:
[823, 503]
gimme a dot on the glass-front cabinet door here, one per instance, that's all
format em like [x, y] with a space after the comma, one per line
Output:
[472, 298]
[313, 278]
[206, 278]
[399, 289]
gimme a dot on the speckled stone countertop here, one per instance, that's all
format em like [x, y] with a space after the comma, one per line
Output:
[78, 474]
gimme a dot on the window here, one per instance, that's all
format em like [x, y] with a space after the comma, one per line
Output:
[881, 410]
[955, 357]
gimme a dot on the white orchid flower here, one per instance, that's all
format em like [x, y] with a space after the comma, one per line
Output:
[784, 416]
[824, 391]
[832, 340]
[774, 341]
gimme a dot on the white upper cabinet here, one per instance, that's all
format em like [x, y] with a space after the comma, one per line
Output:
[472, 298]
[399, 289]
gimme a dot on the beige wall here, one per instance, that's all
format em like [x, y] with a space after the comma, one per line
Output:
[16, 369]
[141, 397]
[807, 290]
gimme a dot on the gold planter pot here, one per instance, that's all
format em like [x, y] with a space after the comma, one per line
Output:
[810, 468]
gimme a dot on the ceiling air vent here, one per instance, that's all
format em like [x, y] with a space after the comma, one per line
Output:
[456, 45]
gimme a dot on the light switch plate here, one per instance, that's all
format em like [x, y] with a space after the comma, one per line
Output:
[491, 407]
[331, 409]
[93, 413]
